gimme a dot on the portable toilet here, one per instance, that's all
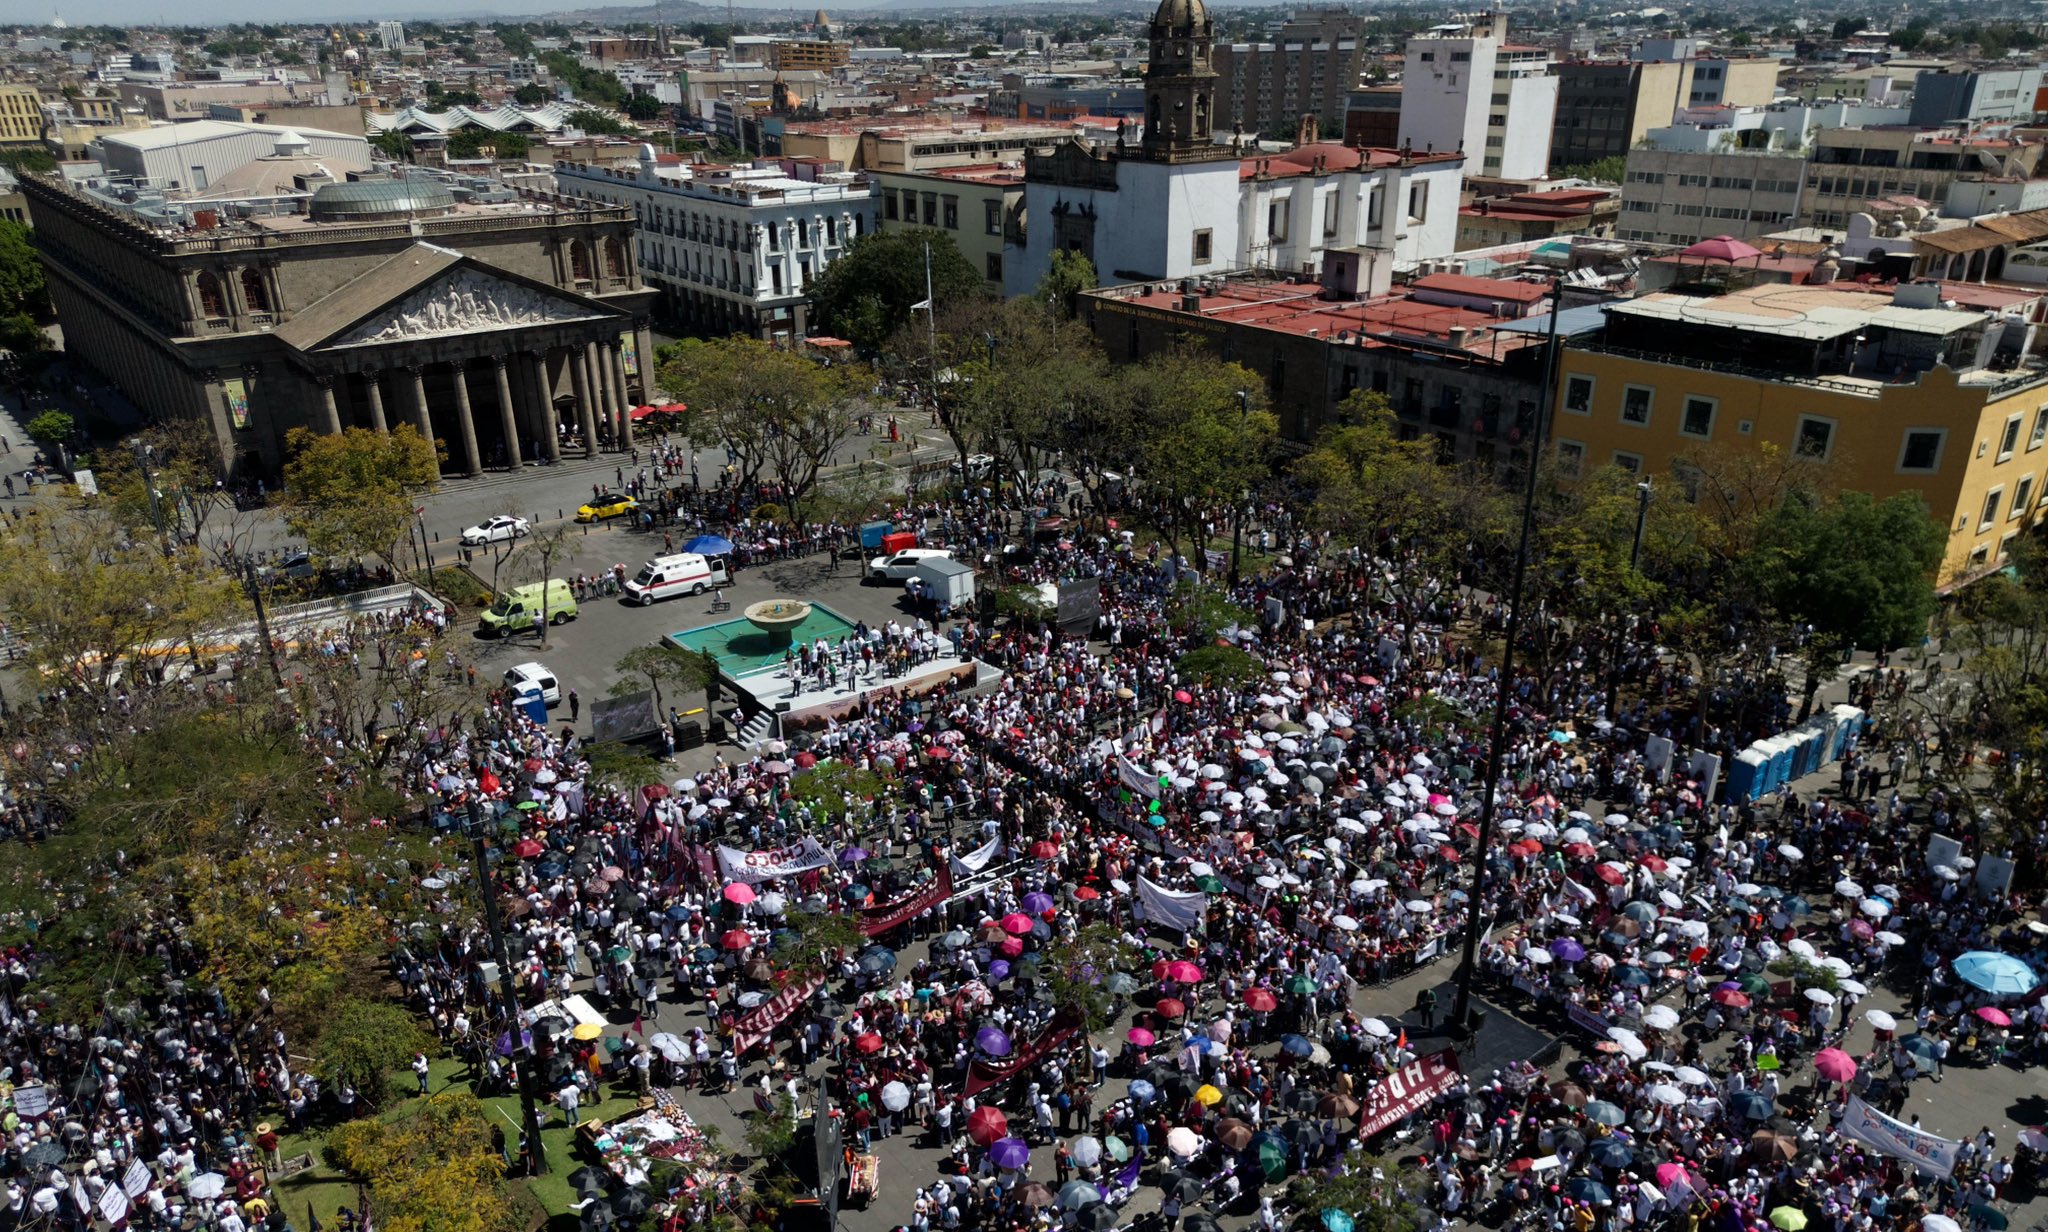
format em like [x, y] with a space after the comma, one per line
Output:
[1849, 723]
[1813, 743]
[1777, 753]
[530, 704]
[1743, 774]
[897, 541]
[1825, 724]
[871, 535]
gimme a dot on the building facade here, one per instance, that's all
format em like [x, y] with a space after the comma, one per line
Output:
[1605, 106]
[1853, 166]
[1681, 196]
[1464, 87]
[1310, 68]
[1895, 389]
[21, 115]
[977, 206]
[1979, 96]
[507, 333]
[731, 249]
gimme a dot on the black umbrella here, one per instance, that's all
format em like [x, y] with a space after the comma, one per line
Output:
[1201, 1221]
[589, 1182]
[631, 1204]
[1186, 1188]
[1570, 1140]
[1096, 1217]
[44, 1155]
[1300, 1099]
[1299, 1133]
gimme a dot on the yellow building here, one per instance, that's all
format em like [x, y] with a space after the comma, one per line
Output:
[21, 115]
[1898, 390]
[815, 55]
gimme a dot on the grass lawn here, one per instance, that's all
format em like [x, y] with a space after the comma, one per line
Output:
[326, 1191]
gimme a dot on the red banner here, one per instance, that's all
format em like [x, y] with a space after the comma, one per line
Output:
[758, 1024]
[982, 1075]
[1407, 1090]
[878, 920]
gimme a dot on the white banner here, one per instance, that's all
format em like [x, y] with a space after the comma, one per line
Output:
[1184, 912]
[974, 861]
[31, 1102]
[788, 861]
[1925, 1151]
[113, 1204]
[136, 1179]
[1136, 779]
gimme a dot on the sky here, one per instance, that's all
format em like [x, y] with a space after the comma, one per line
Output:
[165, 12]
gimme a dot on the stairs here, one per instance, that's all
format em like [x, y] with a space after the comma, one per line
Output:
[755, 732]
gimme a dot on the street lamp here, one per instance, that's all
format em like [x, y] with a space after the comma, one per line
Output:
[1244, 418]
[143, 453]
[1635, 557]
[536, 1152]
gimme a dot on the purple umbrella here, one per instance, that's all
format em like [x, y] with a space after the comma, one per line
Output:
[999, 970]
[1037, 902]
[995, 1043]
[1567, 949]
[1010, 1153]
[506, 1047]
[852, 855]
[1727, 986]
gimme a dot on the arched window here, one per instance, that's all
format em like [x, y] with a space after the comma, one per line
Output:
[614, 259]
[254, 293]
[213, 302]
[579, 261]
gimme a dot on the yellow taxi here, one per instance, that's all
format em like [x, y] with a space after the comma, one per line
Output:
[609, 505]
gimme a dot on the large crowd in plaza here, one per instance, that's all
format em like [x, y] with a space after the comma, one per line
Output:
[1269, 855]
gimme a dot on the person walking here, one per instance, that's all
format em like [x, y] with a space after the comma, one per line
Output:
[419, 1070]
[575, 705]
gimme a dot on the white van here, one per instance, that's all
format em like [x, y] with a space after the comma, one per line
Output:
[904, 563]
[685, 573]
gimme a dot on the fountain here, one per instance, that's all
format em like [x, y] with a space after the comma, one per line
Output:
[777, 618]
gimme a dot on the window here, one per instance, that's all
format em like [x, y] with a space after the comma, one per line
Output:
[2009, 440]
[1578, 395]
[2040, 429]
[1329, 215]
[2005, 545]
[1922, 450]
[1571, 458]
[2022, 493]
[1203, 239]
[213, 302]
[1991, 503]
[992, 221]
[1815, 437]
[579, 261]
[1630, 462]
[1699, 417]
[1979, 557]
[1635, 405]
[995, 267]
[614, 259]
[254, 294]
[1418, 201]
[952, 213]
[1276, 221]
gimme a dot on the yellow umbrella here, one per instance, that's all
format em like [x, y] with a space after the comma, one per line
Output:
[1790, 1218]
[1208, 1096]
[587, 1031]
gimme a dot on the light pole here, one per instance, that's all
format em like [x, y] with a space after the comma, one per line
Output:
[143, 453]
[1635, 556]
[1496, 744]
[1244, 417]
[536, 1151]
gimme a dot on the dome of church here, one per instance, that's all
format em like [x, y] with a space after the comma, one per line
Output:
[381, 201]
[1181, 14]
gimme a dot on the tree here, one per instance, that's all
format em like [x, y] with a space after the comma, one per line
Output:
[1072, 972]
[435, 1169]
[51, 429]
[21, 334]
[1201, 437]
[1070, 274]
[1848, 27]
[1859, 571]
[1200, 612]
[782, 414]
[666, 663]
[644, 108]
[394, 145]
[529, 95]
[367, 1042]
[595, 123]
[1609, 170]
[539, 551]
[1380, 1195]
[352, 493]
[22, 288]
[832, 790]
[878, 282]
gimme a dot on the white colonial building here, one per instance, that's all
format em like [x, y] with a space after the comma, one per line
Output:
[1176, 204]
[731, 248]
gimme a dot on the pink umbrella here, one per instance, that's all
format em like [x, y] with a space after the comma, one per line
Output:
[1141, 1037]
[1667, 1173]
[739, 892]
[1184, 972]
[1722, 248]
[1834, 1064]
[1993, 1015]
[1016, 924]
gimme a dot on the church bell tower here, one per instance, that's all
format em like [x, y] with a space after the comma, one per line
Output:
[1180, 84]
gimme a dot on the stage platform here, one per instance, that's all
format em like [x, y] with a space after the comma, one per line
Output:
[1501, 1039]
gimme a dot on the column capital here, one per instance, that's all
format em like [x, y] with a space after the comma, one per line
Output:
[499, 361]
[324, 379]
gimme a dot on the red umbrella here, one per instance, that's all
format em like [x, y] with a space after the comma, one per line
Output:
[531, 765]
[1261, 999]
[806, 760]
[1016, 924]
[1580, 851]
[737, 939]
[866, 1044]
[1834, 1065]
[986, 1124]
[488, 783]
[1654, 863]
[938, 752]
[1184, 972]
[1183, 696]
[1011, 947]
[1609, 874]
[1087, 894]
[1159, 968]
[1730, 997]
[527, 848]
[1169, 1007]
[654, 791]
[1044, 850]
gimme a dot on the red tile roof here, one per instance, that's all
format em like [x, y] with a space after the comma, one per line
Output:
[1483, 288]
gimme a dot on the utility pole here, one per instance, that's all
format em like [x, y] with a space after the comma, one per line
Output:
[143, 453]
[1635, 557]
[262, 621]
[1496, 743]
[536, 1151]
[1244, 417]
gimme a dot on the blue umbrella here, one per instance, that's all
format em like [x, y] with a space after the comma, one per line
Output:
[1586, 1189]
[1600, 1112]
[855, 893]
[1143, 1091]
[1338, 1221]
[1296, 1046]
[1920, 1046]
[709, 545]
[1997, 973]
[877, 959]
[1632, 976]
[1611, 1153]
[1750, 1104]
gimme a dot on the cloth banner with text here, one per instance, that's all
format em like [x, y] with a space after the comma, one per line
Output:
[976, 860]
[774, 863]
[982, 1075]
[880, 919]
[758, 1024]
[1181, 912]
[1406, 1091]
[1925, 1151]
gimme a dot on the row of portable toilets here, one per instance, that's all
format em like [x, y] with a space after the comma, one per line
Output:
[1774, 761]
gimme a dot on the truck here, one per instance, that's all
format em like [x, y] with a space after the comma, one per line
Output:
[684, 573]
[947, 582]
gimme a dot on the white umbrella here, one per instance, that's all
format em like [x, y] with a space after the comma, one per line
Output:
[895, 1096]
[1666, 1094]
[1346, 923]
[1670, 900]
[1890, 938]
[1692, 1076]
[1351, 825]
[1946, 873]
[1268, 881]
[1790, 852]
[1569, 921]
[1660, 958]
[1540, 957]
[669, 1046]
[1198, 869]
[1857, 987]
[1696, 929]
[1820, 996]
[1881, 1020]
[1875, 908]
[1801, 947]
[1848, 889]
[1578, 834]
[1840, 966]
[1939, 1223]
[1373, 816]
[1749, 889]
[1660, 1018]
[1617, 819]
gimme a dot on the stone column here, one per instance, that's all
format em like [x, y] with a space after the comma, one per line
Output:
[600, 389]
[472, 460]
[507, 415]
[422, 417]
[586, 410]
[375, 382]
[644, 339]
[544, 407]
[329, 407]
[622, 407]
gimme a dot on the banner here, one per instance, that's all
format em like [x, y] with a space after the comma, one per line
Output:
[237, 393]
[982, 1075]
[769, 865]
[878, 920]
[1136, 779]
[1927, 1152]
[629, 353]
[136, 1179]
[1182, 912]
[1586, 1020]
[113, 1204]
[756, 1025]
[31, 1102]
[1407, 1090]
[976, 860]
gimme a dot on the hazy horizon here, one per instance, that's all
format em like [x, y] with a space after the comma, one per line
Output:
[228, 12]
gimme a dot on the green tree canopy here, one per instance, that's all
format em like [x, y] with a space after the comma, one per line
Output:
[1065, 279]
[22, 288]
[872, 289]
[351, 494]
[782, 413]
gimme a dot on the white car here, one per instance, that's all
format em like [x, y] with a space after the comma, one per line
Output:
[979, 466]
[495, 530]
[903, 564]
[534, 678]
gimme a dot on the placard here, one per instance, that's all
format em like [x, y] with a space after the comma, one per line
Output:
[31, 1102]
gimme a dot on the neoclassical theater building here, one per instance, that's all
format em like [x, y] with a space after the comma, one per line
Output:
[509, 326]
